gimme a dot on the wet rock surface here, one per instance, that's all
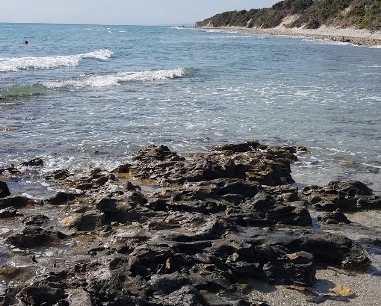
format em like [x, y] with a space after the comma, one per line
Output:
[171, 229]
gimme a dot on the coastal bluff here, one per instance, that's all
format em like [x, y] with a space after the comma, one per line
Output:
[351, 21]
[203, 228]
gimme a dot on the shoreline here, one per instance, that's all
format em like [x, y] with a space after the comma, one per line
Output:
[347, 35]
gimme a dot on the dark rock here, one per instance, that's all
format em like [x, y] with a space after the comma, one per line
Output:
[89, 221]
[335, 250]
[9, 212]
[32, 237]
[265, 212]
[347, 196]
[35, 220]
[157, 204]
[84, 186]
[240, 147]
[131, 187]
[124, 168]
[336, 217]
[297, 269]
[17, 202]
[62, 198]
[186, 296]
[59, 175]
[42, 295]
[351, 188]
[156, 153]
[106, 205]
[102, 180]
[167, 283]
[36, 162]
[146, 261]
[4, 190]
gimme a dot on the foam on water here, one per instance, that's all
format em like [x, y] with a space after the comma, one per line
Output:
[274, 90]
[117, 78]
[13, 64]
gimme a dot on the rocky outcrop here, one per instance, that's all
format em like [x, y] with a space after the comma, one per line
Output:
[346, 196]
[175, 229]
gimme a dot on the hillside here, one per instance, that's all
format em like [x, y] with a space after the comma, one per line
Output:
[309, 14]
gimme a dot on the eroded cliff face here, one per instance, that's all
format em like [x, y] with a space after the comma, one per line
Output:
[361, 14]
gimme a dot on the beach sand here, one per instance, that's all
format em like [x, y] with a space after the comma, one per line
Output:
[348, 35]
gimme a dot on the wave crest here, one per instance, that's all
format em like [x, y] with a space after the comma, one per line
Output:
[13, 64]
[117, 78]
[22, 91]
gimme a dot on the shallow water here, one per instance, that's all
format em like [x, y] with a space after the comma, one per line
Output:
[83, 96]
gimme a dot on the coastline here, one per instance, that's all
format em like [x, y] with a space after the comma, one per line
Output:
[347, 35]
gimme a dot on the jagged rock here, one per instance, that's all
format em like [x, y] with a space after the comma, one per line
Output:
[89, 221]
[186, 296]
[62, 198]
[4, 190]
[297, 269]
[268, 168]
[264, 211]
[347, 196]
[176, 230]
[9, 212]
[124, 168]
[17, 202]
[35, 220]
[32, 237]
[36, 162]
[335, 249]
[167, 283]
[79, 297]
[336, 217]
[59, 174]
[84, 186]
[42, 295]
[240, 147]
[156, 153]
[106, 205]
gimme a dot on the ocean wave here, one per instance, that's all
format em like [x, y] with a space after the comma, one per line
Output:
[12, 64]
[22, 91]
[118, 78]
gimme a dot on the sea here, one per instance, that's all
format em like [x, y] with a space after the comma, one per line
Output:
[89, 96]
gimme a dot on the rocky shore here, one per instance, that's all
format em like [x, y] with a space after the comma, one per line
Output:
[226, 227]
[345, 35]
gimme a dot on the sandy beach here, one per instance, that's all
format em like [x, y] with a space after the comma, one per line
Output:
[349, 35]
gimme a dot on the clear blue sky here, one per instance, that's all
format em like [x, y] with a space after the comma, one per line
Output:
[131, 12]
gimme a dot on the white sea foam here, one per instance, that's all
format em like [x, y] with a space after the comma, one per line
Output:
[117, 78]
[9, 64]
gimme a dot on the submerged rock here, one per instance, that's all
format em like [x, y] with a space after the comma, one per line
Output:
[36, 162]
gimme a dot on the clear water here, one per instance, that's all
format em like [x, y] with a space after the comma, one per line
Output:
[82, 96]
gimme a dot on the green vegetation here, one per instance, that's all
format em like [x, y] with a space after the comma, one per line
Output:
[363, 14]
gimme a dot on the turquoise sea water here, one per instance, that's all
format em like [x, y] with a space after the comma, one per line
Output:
[84, 96]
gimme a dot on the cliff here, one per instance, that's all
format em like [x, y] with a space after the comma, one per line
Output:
[307, 14]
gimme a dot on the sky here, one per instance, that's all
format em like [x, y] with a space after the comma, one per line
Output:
[126, 12]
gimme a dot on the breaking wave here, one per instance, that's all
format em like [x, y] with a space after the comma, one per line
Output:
[22, 91]
[118, 78]
[12, 64]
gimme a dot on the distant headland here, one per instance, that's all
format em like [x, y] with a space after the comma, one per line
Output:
[353, 21]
